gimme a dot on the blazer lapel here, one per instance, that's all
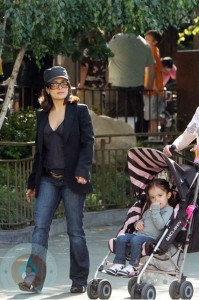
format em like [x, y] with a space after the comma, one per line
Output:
[42, 119]
[70, 114]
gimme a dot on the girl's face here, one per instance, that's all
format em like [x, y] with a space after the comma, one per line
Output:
[159, 196]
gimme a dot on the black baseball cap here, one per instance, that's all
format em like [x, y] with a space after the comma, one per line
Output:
[54, 72]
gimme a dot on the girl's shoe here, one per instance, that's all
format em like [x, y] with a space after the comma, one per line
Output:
[128, 271]
[115, 269]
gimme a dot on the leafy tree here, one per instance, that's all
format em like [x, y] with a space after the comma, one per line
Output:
[59, 26]
[193, 29]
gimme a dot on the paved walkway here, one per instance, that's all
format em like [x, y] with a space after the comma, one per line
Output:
[57, 285]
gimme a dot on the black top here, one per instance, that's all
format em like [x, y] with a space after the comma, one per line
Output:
[54, 150]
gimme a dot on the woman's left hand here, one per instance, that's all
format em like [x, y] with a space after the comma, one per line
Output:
[81, 180]
[195, 149]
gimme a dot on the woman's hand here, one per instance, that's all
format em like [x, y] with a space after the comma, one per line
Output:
[196, 150]
[139, 226]
[30, 194]
[167, 152]
[81, 180]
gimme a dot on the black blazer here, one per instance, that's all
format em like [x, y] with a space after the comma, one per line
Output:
[78, 148]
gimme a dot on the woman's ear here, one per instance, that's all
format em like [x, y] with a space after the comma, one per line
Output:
[47, 90]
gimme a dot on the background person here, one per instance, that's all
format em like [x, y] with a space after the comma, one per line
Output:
[153, 99]
[132, 55]
[61, 171]
[147, 229]
[169, 70]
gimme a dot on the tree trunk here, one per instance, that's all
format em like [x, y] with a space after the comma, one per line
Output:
[10, 90]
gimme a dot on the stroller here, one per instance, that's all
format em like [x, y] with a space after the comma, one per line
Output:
[167, 255]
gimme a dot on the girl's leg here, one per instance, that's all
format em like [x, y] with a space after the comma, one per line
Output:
[121, 245]
[136, 247]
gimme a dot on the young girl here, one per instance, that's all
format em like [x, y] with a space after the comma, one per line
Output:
[147, 229]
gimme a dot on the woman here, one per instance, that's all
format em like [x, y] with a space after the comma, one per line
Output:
[61, 171]
[189, 135]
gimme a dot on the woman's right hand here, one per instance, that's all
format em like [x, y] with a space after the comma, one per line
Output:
[166, 150]
[30, 194]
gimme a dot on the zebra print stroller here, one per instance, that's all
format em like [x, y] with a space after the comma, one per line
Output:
[167, 255]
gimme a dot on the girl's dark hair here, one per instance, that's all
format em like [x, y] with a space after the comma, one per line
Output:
[46, 102]
[159, 182]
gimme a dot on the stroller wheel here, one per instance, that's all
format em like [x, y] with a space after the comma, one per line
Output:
[104, 289]
[186, 290]
[131, 283]
[135, 291]
[92, 289]
[174, 290]
[148, 292]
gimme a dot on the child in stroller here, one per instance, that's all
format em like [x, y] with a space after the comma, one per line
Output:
[179, 237]
[147, 229]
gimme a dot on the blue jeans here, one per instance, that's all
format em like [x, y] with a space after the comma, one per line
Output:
[135, 242]
[51, 192]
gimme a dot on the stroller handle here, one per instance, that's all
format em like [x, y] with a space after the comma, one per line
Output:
[177, 154]
[172, 150]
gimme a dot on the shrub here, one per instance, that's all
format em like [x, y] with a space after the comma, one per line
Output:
[18, 127]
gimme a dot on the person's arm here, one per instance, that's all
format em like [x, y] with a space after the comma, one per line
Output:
[188, 136]
[159, 218]
[150, 76]
[83, 74]
[106, 77]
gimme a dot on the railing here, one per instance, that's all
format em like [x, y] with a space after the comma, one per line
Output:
[120, 103]
[113, 102]
[110, 180]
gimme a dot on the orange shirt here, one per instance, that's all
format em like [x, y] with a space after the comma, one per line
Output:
[158, 82]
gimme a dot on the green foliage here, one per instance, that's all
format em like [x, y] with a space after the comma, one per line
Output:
[189, 31]
[18, 127]
[5, 210]
[59, 26]
[111, 186]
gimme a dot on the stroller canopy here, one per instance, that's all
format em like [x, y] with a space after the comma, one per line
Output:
[144, 164]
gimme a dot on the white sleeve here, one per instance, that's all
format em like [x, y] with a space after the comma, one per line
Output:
[190, 133]
[193, 126]
[184, 140]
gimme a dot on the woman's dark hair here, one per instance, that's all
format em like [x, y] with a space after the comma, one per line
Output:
[46, 102]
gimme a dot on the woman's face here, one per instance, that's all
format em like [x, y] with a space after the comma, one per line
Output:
[58, 89]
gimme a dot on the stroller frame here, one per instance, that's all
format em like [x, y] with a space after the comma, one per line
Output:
[180, 288]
